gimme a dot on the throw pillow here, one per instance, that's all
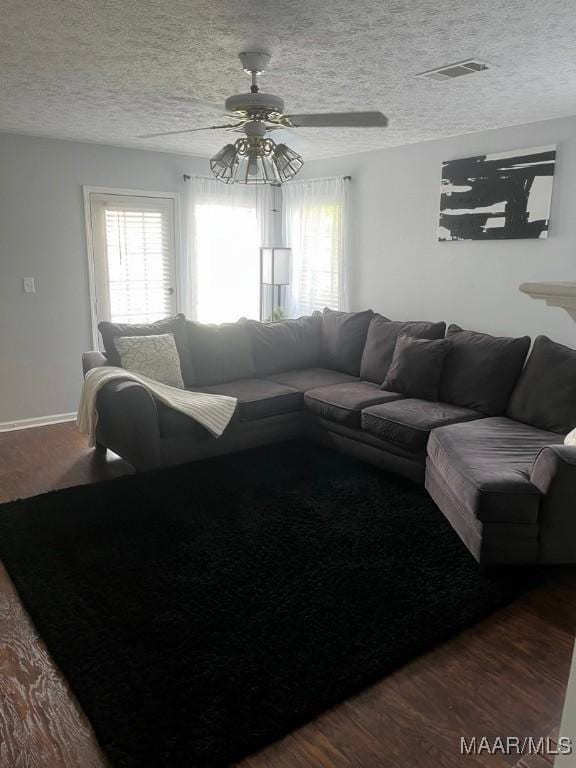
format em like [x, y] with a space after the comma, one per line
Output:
[481, 371]
[381, 340]
[153, 356]
[416, 367]
[545, 395]
[174, 325]
[343, 338]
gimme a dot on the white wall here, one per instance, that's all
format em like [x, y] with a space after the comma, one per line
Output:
[403, 271]
[43, 335]
[400, 269]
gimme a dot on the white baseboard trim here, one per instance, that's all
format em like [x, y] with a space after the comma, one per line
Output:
[39, 421]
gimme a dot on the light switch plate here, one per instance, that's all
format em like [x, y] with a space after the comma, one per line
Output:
[29, 285]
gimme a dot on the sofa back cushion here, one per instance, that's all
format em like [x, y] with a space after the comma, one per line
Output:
[174, 325]
[545, 395]
[343, 338]
[219, 353]
[381, 341]
[481, 371]
[285, 345]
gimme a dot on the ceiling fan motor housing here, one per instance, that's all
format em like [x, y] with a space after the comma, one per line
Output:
[245, 103]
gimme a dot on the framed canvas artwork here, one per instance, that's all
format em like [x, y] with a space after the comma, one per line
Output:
[497, 196]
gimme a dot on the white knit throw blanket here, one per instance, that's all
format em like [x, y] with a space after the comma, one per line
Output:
[212, 411]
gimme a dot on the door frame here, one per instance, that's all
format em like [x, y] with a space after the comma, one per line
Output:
[89, 190]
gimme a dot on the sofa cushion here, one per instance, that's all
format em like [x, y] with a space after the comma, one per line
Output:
[304, 379]
[545, 395]
[487, 465]
[219, 353]
[381, 341]
[344, 402]
[285, 345]
[409, 422]
[416, 367]
[343, 338]
[258, 398]
[480, 371]
[174, 325]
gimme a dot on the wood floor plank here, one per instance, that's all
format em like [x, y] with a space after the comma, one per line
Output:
[536, 761]
[506, 676]
[403, 743]
[307, 747]
[41, 724]
[464, 689]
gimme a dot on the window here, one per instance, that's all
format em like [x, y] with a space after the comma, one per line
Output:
[315, 214]
[229, 224]
[134, 256]
[317, 284]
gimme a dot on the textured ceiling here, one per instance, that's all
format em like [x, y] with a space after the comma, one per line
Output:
[108, 70]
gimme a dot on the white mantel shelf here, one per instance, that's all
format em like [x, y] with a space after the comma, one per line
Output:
[560, 294]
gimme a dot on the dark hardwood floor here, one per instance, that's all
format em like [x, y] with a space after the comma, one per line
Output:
[505, 677]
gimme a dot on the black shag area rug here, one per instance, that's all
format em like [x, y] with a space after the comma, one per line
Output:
[203, 611]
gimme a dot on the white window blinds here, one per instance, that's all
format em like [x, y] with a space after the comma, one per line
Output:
[134, 257]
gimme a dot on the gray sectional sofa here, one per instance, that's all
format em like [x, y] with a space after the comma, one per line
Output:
[487, 438]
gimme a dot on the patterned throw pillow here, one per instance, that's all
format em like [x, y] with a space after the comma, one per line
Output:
[153, 356]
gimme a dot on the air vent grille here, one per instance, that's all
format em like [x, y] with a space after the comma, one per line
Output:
[452, 71]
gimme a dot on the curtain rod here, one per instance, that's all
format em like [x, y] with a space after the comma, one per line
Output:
[188, 177]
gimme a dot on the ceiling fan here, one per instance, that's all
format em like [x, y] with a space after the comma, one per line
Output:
[256, 158]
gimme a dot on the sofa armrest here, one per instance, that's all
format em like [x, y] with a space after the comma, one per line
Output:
[128, 423]
[93, 359]
[554, 474]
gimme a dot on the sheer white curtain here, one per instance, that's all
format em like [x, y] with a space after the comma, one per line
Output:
[228, 225]
[315, 225]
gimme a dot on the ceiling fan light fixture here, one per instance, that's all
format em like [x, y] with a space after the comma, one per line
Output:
[255, 164]
[254, 168]
[287, 162]
[255, 160]
[224, 164]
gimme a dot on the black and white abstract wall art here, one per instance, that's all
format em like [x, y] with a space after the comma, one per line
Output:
[497, 196]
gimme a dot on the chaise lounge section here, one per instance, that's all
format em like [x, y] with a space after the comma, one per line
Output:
[488, 446]
[508, 484]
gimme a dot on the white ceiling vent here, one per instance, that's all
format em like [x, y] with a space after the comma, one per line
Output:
[461, 68]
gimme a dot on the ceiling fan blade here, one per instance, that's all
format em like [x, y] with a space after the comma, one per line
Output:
[295, 139]
[189, 130]
[339, 120]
